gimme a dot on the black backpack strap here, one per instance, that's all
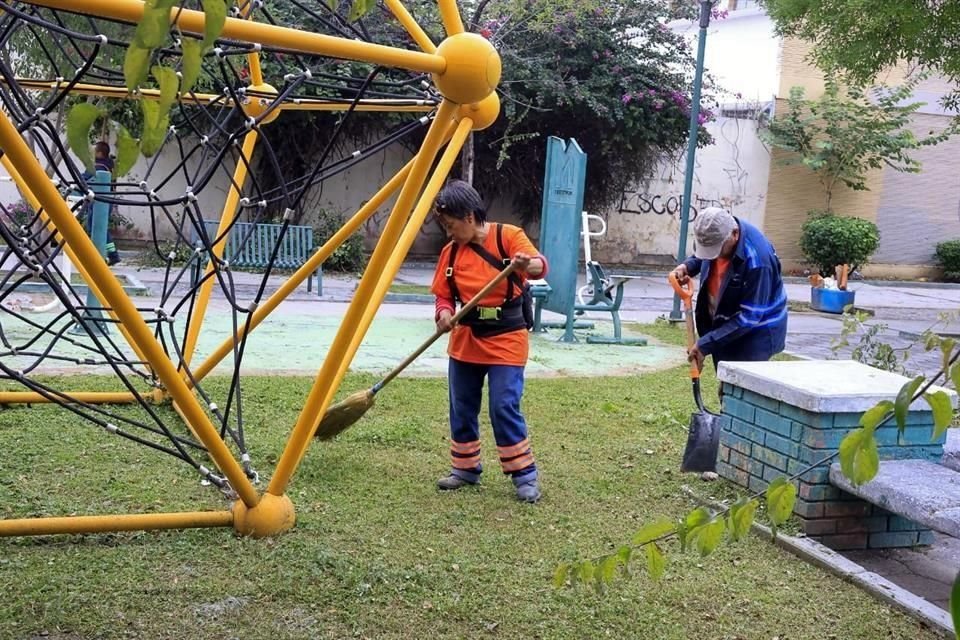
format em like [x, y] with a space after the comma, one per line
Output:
[449, 274]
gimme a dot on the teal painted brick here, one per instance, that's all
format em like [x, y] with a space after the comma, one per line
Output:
[899, 523]
[733, 474]
[769, 474]
[756, 484]
[796, 431]
[817, 475]
[818, 492]
[736, 443]
[788, 448]
[877, 523]
[925, 538]
[823, 438]
[763, 402]
[748, 431]
[846, 420]
[807, 509]
[892, 539]
[773, 422]
[818, 420]
[771, 458]
[922, 436]
[738, 409]
[732, 391]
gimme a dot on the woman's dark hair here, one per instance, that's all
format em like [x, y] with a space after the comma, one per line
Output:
[457, 199]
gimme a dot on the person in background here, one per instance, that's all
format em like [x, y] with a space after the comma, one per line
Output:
[741, 311]
[102, 162]
[491, 342]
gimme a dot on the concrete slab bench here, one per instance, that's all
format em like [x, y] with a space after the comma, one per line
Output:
[927, 493]
[780, 417]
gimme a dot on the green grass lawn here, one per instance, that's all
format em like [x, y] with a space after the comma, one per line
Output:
[377, 552]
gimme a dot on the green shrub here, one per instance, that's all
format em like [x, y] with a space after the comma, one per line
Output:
[948, 257]
[348, 258]
[829, 240]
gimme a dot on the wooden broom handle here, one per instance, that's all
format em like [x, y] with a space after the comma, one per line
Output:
[464, 310]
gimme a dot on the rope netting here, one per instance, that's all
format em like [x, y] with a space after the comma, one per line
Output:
[51, 59]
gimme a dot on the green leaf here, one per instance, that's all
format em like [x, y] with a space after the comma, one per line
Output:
[653, 531]
[154, 26]
[781, 496]
[904, 398]
[608, 568]
[361, 8]
[741, 518]
[154, 127]
[939, 401]
[560, 575]
[332, 4]
[709, 536]
[127, 152]
[136, 65]
[947, 346]
[681, 527]
[585, 571]
[169, 83]
[656, 562]
[215, 16]
[874, 415]
[955, 602]
[192, 63]
[859, 458]
[80, 119]
[955, 375]
[623, 554]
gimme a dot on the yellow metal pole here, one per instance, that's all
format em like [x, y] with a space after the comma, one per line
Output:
[317, 400]
[304, 272]
[410, 24]
[35, 204]
[111, 523]
[87, 397]
[450, 14]
[380, 105]
[267, 34]
[226, 218]
[74, 235]
[447, 160]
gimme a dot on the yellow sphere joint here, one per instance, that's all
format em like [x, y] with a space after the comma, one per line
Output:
[473, 68]
[272, 516]
[483, 113]
[254, 105]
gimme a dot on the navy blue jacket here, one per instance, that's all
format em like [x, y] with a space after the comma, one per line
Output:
[750, 323]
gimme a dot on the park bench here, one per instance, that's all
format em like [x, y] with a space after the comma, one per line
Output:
[250, 245]
[607, 296]
[780, 417]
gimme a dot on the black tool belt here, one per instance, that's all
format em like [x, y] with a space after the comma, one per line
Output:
[486, 322]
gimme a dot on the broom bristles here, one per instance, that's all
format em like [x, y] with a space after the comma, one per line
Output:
[343, 414]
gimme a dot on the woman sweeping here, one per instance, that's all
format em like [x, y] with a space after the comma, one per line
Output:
[490, 342]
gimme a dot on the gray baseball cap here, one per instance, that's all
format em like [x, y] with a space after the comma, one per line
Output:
[710, 230]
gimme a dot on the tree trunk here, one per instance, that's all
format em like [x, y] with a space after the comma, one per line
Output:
[466, 160]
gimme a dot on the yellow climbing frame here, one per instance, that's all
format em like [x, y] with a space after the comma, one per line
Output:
[465, 69]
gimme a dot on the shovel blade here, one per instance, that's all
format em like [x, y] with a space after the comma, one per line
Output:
[703, 443]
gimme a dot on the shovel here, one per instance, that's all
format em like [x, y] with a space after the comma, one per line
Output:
[703, 439]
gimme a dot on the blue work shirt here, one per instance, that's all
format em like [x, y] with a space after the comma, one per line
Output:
[750, 322]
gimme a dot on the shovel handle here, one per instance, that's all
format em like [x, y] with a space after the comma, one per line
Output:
[685, 291]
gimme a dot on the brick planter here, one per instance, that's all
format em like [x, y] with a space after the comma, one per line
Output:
[781, 416]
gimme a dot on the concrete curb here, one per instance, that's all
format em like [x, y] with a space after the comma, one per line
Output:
[876, 585]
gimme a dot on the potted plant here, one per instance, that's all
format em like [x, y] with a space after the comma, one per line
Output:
[841, 137]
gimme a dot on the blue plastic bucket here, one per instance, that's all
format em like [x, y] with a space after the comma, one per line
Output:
[830, 300]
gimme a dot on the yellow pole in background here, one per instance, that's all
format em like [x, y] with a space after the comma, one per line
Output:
[304, 272]
[111, 523]
[267, 34]
[450, 14]
[316, 402]
[74, 235]
[226, 218]
[450, 155]
[415, 30]
[87, 397]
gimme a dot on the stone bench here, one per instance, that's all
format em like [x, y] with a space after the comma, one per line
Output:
[780, 417]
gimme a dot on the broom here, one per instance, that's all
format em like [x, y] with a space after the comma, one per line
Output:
[343, 414]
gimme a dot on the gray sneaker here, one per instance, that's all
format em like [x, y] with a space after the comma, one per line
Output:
[452, 483]
[528, 491]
